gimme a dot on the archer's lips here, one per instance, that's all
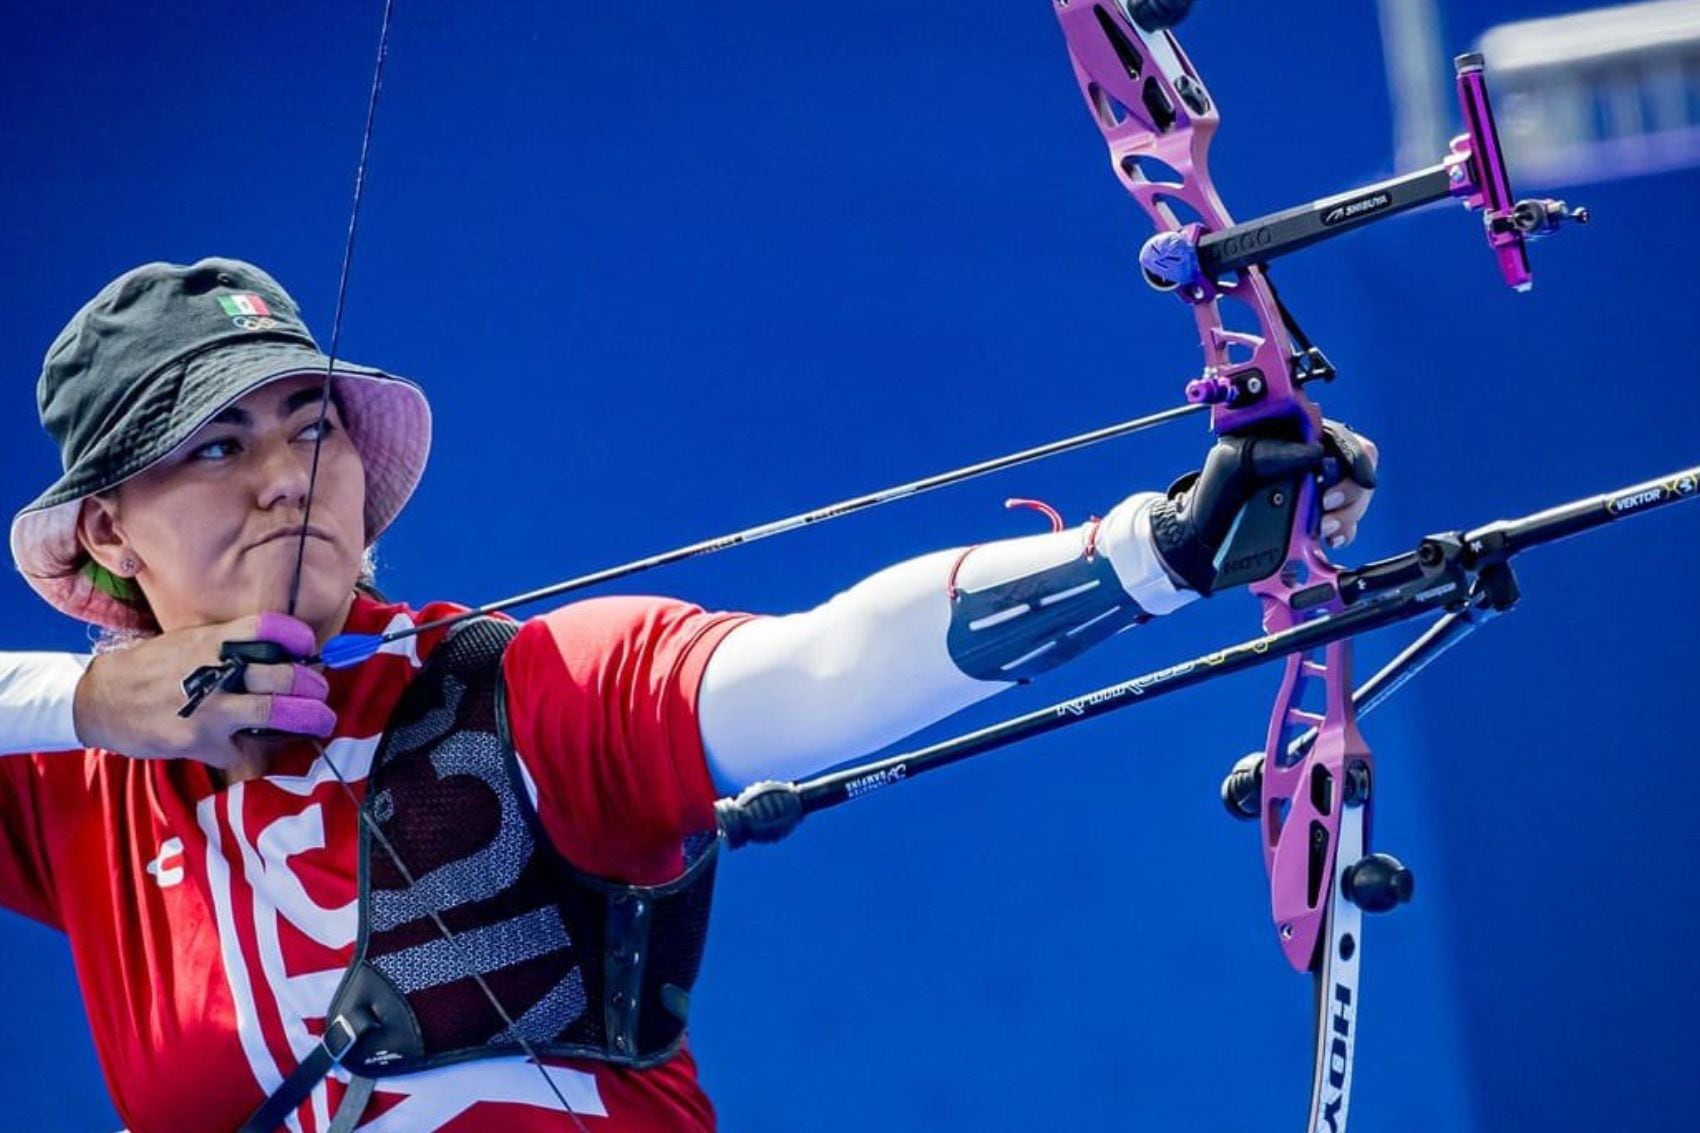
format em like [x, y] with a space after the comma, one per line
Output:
[291, 533]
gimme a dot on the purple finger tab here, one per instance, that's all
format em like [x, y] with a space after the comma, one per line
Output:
[306, 683]
[302, 716]
[281, 629]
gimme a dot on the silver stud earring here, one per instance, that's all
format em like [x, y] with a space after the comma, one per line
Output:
[127, 566]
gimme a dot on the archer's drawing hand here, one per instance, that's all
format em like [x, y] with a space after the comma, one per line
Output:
[1192, 524]
[127, 700]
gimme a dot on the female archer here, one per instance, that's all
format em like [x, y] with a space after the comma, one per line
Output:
[463, 884]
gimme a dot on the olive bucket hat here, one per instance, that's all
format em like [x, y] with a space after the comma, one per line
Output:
[157, 354]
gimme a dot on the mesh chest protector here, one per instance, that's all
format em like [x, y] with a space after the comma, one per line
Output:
[585, 968]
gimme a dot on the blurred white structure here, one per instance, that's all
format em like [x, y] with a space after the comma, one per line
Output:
[1419, 79]
[1599, 94]
[1588, 96]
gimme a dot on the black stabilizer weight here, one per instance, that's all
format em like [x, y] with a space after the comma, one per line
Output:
[1378, 883]
[763, 812]
[1242, 790]
[1153, 15]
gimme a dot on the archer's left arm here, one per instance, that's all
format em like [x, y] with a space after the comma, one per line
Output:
[785, 697]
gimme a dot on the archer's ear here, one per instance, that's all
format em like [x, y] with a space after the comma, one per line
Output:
[101, 535]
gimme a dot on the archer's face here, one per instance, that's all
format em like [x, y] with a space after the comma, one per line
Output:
[215, 528]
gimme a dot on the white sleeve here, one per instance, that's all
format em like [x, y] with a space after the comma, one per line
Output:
[37, 694]
[783, 697]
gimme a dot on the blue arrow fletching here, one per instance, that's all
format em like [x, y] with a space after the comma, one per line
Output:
[346, 649]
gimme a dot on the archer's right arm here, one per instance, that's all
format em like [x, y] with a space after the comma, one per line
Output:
[37, 701]
[126, 700]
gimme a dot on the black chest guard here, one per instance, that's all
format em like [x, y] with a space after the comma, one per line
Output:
[583, 967]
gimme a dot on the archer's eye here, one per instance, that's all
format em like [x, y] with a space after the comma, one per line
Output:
[317, 430]
[222, 448]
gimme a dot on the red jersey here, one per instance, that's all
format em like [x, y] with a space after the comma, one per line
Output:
[211, 923]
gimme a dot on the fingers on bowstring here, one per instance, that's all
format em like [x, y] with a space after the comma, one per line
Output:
[285, 680]
[280, 698]
[302, 708]
[300, 715]
[290, 633]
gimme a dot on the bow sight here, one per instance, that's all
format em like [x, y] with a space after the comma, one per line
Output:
[1191, 259]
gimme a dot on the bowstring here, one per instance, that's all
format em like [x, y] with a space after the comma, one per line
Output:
[366, 818]
[341, 298]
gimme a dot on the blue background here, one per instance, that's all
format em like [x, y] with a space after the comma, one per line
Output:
[671, 270]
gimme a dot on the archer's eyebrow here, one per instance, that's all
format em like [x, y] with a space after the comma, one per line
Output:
[311, 395]
[241, 418]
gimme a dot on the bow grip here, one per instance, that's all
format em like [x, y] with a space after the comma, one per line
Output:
[1256, 546]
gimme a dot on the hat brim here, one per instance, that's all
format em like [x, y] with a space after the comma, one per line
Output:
[388, 421]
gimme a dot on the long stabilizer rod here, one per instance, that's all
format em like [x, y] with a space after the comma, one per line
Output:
[1451, 572]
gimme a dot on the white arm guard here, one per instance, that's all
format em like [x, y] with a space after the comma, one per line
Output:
[784, 697]
[37, 692]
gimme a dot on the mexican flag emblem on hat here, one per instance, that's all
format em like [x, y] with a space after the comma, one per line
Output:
[243, 303]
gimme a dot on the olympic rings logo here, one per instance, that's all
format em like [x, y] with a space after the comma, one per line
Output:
[250, 322]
